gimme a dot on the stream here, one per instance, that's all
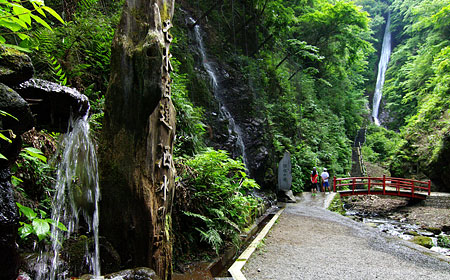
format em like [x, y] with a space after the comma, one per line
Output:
[400, 228]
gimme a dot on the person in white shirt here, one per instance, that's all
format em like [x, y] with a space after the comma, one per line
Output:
[325, 177]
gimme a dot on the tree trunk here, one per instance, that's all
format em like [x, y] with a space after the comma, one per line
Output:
[136, 168]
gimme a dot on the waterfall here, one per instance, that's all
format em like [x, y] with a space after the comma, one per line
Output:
[382, 67]
[76, 193]
[218, 92]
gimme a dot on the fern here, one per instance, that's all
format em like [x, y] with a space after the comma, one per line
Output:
[201, 217]
[87, 4]
[57, 70]
[212, 237]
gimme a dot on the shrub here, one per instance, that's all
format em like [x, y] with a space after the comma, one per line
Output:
[218, 205]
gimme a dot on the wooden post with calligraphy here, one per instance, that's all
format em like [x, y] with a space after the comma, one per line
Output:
[136, 168]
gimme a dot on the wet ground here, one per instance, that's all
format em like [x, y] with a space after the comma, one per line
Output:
[310, 242]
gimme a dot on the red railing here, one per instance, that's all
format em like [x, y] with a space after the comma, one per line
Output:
[383, 185]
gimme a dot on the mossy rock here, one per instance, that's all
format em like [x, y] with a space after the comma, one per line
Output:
[423, 241]
[434, 230]
[15, 67]
[412, 232]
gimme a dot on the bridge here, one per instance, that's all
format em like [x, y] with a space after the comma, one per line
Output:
[413, 189]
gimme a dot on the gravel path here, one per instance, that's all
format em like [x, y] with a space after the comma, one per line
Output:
[310, 242]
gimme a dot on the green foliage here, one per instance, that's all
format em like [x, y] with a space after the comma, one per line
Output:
[190, 129]
[221, 207]
[336, 205]
[33, 177]
[34, 226]
[416, 88]
[2, 136]
[78, 53]
[381, 145]
[443, 241]
[16, 21]
[56, 69]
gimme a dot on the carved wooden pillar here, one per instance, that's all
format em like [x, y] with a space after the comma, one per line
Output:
[136, 168]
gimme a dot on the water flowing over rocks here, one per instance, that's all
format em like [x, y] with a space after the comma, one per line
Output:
[233, 123]
[423, 223]
[382, 67]
[51, 107]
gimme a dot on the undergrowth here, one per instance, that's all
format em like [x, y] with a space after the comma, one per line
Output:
[212, 204]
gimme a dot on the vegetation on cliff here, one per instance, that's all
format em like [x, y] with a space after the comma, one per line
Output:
[416, 90]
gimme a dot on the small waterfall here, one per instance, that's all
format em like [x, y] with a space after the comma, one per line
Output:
[218, 93]
[76, 193]
[382, 67]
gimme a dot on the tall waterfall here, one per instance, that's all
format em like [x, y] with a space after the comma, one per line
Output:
[218, 92]
[382, 67]
[76, 194]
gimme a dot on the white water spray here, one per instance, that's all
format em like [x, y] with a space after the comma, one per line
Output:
[212, 72]
[382, 67]
[76, 193]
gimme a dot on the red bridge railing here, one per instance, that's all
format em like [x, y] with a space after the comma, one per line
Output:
[382, 185]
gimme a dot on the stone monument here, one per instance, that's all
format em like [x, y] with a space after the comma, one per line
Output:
[285, 178]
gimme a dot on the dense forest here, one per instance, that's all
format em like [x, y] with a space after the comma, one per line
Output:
[250, 80]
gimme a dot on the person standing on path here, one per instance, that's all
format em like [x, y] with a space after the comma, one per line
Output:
[325, 177]
[314, 182]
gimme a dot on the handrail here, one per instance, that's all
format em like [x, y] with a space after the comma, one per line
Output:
[399, 184]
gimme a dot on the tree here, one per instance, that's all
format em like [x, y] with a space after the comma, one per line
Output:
[137, 173]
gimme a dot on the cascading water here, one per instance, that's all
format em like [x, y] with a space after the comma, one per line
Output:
[382, 67]
[218, 92]
[76, 193]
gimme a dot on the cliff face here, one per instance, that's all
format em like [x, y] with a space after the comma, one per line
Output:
[137, 172]
[242, 125]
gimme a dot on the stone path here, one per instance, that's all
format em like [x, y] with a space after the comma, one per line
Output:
[310, 242]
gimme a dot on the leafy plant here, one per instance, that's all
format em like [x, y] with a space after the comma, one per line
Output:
[220, 206]
[36, 226]
[17, 17]
[443, 241]
[2, 136]
[31, 175]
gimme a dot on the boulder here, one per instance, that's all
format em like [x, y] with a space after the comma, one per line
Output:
[423, 241]
[12, 103]
[9, 221]
[286, 196]
[53, 104]
[139, 273]
[15, 67]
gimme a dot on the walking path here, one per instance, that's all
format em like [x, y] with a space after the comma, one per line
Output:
[310, 242]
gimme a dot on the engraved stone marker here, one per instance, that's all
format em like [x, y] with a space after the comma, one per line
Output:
[285, 173]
